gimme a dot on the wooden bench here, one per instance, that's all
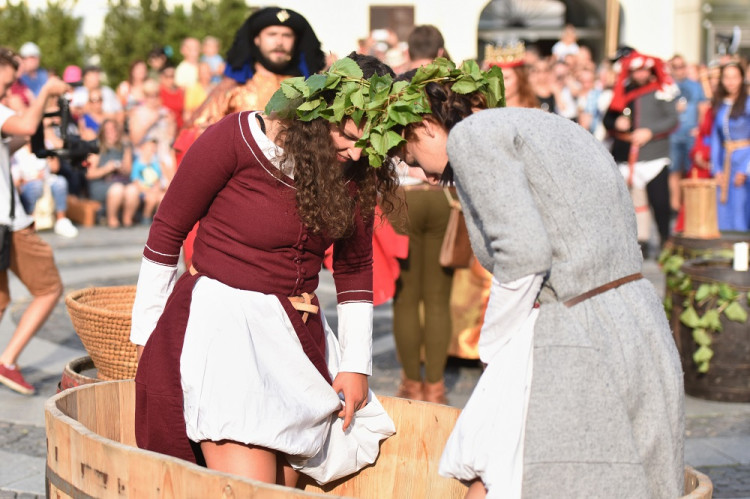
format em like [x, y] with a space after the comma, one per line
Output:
[82, 211]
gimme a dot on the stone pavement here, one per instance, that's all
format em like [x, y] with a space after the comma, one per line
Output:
[718, 434]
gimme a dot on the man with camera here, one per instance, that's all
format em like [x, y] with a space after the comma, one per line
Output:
[21, 249]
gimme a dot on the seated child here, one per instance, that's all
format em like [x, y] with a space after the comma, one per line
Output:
[147, 175]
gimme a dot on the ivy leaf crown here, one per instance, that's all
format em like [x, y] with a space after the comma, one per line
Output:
[379, 103]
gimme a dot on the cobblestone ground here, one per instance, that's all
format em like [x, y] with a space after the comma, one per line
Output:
[730, 482]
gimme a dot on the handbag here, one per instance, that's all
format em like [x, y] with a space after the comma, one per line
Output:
[6, 231]
[455, 251]
[44, 209]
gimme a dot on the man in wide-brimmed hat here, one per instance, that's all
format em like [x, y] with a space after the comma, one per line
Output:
[273, 44]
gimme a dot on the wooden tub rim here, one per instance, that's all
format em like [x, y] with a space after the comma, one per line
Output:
[704, 487]
[50, 406]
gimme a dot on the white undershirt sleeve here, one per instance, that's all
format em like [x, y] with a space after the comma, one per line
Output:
[509, 306]
[155, 283]
[355, 337]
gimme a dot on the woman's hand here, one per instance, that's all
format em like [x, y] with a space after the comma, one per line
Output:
[354, 387]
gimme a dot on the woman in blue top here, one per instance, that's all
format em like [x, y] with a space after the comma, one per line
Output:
[730, 148]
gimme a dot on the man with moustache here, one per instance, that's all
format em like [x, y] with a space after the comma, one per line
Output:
[272, 45]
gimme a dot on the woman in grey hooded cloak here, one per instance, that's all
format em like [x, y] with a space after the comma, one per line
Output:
[583, 394]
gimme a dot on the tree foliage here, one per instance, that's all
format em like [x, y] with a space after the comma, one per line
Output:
[131, 29]
[53, 29]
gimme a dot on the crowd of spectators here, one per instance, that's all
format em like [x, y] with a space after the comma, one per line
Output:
[134, 122]
[147, 110]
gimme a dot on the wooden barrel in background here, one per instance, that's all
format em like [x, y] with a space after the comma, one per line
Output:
[728, 377]
[77, 372]
[691, 248]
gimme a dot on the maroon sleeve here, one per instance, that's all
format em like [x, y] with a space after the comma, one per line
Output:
[205, 169]
[352, 263]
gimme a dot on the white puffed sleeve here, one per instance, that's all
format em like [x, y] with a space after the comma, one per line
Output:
[155, 283]
[508, 309]
[355, 337]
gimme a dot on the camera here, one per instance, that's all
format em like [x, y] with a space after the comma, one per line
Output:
[74, 149]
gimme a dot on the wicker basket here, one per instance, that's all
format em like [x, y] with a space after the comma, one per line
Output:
[101, 317]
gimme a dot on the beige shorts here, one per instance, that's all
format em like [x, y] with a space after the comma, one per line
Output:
[32, 261]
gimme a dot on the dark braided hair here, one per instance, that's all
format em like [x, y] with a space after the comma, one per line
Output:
[447, 109]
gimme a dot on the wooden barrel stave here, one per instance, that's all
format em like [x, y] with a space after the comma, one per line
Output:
[91, 453]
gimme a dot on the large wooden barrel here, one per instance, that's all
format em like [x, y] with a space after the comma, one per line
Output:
[91, 453]
[728, 377]
[691, 248]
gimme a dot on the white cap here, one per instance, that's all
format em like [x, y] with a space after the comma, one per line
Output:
[30, 49]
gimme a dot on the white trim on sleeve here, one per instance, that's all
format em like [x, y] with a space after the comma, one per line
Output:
[355, 337]
[155, 284]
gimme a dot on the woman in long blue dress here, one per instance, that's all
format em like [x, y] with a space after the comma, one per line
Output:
[730, 148]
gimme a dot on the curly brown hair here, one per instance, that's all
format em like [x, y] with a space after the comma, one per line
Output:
[329, 194]
[326, 202]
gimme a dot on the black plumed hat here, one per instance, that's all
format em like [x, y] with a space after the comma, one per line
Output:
[308, 58]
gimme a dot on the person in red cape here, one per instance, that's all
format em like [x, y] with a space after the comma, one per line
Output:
[640, 118]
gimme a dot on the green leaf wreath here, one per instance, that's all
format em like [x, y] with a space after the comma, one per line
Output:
[379, 103]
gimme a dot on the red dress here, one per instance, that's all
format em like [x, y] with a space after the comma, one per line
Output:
[250, 238]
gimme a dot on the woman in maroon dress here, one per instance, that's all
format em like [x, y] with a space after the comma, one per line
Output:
[240, 368]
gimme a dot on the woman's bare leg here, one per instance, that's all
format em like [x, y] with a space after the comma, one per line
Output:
[250, 461]
[285, 474]
[115, 196]
[132, 200]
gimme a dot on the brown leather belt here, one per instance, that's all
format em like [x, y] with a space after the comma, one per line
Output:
[302, 303]
[601, 289]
